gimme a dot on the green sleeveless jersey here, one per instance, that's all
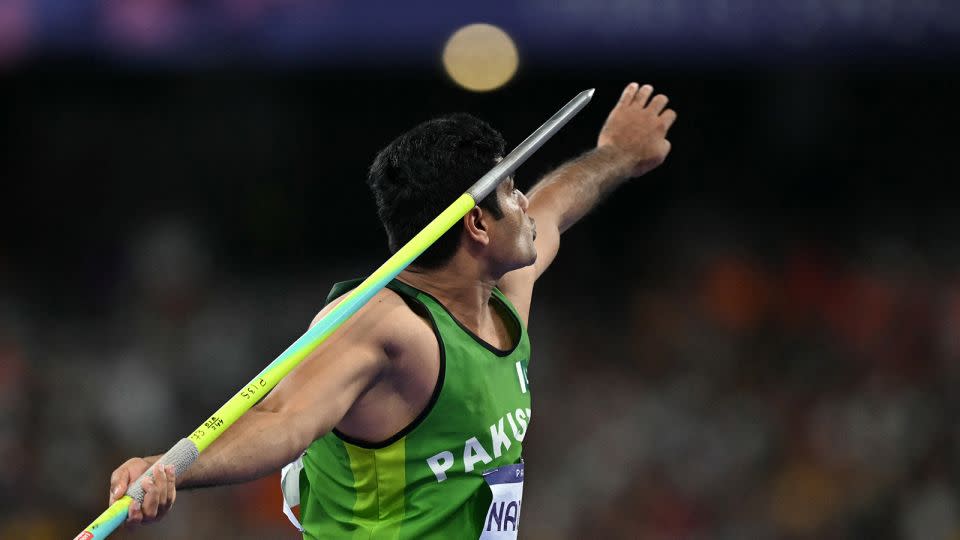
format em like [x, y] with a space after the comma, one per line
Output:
[427, 480]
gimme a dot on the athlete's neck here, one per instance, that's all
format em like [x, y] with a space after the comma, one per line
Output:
[460, 285]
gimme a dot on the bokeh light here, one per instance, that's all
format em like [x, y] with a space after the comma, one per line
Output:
[480, 57]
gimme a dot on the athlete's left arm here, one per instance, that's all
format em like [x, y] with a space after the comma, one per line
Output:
[631, 143]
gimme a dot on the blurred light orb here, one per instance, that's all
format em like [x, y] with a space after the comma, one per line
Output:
[480, 57]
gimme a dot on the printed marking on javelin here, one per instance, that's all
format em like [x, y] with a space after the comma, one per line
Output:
[522, 377]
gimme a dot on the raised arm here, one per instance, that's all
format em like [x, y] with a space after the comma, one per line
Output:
[631, 143]
[307, 404]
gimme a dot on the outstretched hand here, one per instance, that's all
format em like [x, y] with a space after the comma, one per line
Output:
[637, 128]
[159, 492]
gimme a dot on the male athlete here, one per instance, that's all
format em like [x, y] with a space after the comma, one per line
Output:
[408, 421]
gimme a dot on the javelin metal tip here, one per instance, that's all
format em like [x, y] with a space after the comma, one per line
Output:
[485, 185]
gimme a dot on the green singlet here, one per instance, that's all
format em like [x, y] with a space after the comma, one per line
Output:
[427, 481]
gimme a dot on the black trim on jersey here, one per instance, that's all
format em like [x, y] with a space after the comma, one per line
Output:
[441, 376]
[517, 325]
[344, 287]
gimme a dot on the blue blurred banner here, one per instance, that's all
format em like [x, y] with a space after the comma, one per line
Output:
[551, 32]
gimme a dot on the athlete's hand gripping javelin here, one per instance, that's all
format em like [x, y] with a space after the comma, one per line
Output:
[160, 491]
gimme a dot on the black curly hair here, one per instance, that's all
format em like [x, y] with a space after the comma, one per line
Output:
[421, 172]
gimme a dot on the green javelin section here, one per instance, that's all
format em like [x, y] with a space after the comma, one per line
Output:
[350, 489]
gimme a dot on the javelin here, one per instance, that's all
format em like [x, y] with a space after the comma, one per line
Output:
[186, 451]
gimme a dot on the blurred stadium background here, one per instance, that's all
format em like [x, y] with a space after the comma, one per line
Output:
[759, 340]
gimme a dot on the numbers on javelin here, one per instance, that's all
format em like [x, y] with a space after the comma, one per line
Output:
[212, 424]
[252, 390]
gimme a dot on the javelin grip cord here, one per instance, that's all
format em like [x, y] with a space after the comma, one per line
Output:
[181, 456]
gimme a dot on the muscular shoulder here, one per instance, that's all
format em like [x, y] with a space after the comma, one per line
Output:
[388, 322]
[403, 339]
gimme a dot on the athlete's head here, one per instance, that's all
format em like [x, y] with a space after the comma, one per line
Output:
[421, 172]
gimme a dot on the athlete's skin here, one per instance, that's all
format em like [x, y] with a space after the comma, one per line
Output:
[376, 374]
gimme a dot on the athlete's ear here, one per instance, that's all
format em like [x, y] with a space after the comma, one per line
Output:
[475, 227]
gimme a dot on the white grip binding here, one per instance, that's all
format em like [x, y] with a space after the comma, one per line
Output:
[181, 456]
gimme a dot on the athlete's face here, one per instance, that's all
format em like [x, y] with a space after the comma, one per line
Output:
[512, 237]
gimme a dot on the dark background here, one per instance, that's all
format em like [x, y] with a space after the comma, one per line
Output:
[757, 340]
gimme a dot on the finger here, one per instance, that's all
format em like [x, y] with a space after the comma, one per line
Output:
[629, 92]
[658, 103]
[643, 94]
[114, 478]
[118, 483]
[171, 486]
[669, 116]
[160, 481]
[150, 499]
[665, 148]
[135, 513]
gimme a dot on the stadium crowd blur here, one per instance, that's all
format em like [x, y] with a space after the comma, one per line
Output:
[760, 340]
[729, 393]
